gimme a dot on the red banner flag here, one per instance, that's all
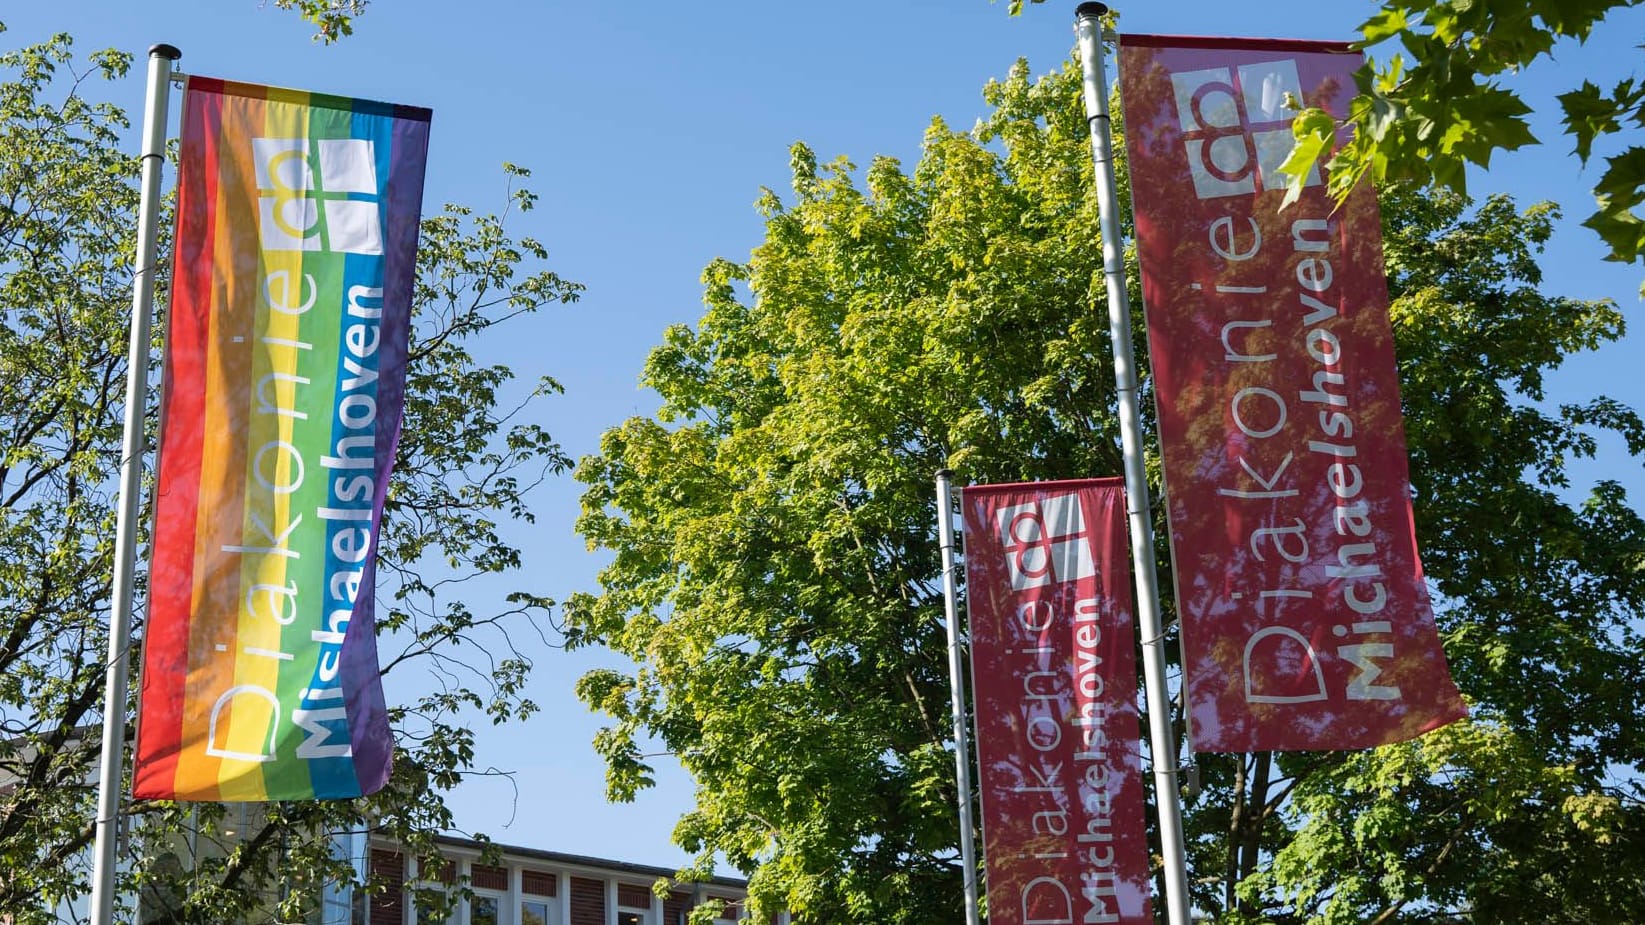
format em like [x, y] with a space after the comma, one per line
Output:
[1306, 621]
[1054, 675]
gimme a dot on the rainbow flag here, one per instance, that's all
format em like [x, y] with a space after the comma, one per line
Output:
[283, 388]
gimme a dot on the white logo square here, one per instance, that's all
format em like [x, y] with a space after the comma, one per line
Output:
[1238, 132]
[1045, 542]
[318, 195]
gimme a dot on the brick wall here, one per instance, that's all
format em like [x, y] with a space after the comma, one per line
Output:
[675, 907]
[388, 907]
[538, 882]
[634, 897]
[487, 877]
[587, 901]
[442, 869]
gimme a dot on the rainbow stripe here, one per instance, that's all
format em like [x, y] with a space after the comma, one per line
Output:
[283, 388]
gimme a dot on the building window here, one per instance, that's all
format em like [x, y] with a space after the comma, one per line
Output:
[629, 917]
[533, 912]
[161, 897]
[485, 910]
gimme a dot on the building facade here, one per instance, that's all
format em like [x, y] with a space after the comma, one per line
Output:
[529, 886]
[522, 886]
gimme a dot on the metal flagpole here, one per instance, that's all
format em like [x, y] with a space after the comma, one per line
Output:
[956, 684]
[131, 473]
[1088, 26]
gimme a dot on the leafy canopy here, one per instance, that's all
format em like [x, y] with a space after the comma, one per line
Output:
[774, 574]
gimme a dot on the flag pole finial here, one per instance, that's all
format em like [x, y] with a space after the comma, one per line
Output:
[1090, 11]
[171, 53]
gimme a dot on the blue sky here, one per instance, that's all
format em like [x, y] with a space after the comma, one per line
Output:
[650, 128]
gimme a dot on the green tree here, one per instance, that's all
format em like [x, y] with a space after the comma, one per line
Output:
[67, 225]
[774, 572]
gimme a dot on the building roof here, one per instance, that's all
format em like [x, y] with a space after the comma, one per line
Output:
[580, 860]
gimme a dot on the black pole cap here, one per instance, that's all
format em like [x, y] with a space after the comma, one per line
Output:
[170, 52]
[1090, 10]
[945, 473]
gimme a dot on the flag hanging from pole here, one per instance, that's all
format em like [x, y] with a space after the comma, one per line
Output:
[297, 219]
[1306, 622]
[1054, 677]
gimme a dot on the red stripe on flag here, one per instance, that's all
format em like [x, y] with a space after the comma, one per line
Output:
[1317, 46]
[177, 484]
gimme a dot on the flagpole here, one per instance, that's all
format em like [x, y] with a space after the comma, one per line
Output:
[1088, 26]
[131, 474]
[956, 685]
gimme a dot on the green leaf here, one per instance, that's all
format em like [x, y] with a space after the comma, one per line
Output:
[1621, 230]
[1588, 114]
[1315, 133]
[1495, 119]
[1623, 179]
[1384, 24]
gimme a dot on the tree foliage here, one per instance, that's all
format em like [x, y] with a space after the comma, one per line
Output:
[1425, 114]
[67, 227]
[332, 19]
[775, 576]
[1426, 117]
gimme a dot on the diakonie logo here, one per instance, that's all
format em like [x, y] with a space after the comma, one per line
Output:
[317, 195]
[1238, 133]
[1045, 542]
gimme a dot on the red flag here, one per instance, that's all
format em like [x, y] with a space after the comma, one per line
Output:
[1054, 675]
[1306, 621]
